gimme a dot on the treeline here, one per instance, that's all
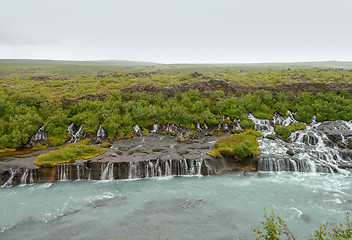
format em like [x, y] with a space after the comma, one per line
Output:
[22, 115]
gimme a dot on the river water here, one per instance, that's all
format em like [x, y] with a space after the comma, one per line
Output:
[213, 207]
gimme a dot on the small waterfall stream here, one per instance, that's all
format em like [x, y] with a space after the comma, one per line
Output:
[107, 171]
[158, 168]
[13, 172]
[62, 172]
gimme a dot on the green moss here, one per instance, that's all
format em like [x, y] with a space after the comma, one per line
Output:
[105, 145]
[215, 153]
[145, 131]
[69, 153]
[285, 131]
[240, 145]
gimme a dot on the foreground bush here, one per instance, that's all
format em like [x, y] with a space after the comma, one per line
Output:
[274, 228]
[69, 153]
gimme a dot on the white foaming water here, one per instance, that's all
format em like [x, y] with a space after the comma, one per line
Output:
[13, 172]
[311, 150]
[100, 132]
[75, 136]
[63, 171]
[166, 168]
[261, 125]
[222, 207]
[107, 171]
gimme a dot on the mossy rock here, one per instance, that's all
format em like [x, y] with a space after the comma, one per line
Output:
[105, 145]
[145, 132]
[215, 153]
[285, 131]
[69, 153]
[119, 152]
[128, 136]
[240, 146]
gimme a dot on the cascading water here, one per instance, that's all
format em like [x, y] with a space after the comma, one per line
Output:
[39, 136]
[155, 128]
[62, 172]
[75, 136]
[24, 177]
[159, 168]
[134, 171]
[137, 129]
[309, 150]
[107, 171]
[13, 172]
[261, 125]
[31, 180]
[100, 132]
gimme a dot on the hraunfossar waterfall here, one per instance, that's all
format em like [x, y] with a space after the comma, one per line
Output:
[159, 184]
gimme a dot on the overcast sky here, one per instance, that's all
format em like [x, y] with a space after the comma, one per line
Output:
[182, 31]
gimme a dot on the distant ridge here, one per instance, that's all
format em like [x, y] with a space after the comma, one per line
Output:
[34, 66]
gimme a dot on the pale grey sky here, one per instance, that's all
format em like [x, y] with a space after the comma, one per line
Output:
[182, 31]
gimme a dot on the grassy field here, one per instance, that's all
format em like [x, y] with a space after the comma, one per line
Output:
[63, 79]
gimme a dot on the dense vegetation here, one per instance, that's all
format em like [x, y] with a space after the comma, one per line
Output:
[69, 153]
[22, 114]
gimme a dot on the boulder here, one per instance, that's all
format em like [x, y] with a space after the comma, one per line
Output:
[290, 152]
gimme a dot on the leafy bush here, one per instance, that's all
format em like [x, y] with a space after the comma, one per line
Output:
[273, 228]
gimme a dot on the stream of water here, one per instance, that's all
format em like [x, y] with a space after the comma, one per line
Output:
[213, 207]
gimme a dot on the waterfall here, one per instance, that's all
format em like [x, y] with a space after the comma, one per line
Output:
[13, 172]
[24, 177]
[107, 171]
[236, 124]
[100, 132]
[75, 136]
[261, 125]
[155, 128]
[314, 149]
[78, 172]
[137, 129]
[31, 181]
[278, 119]
[198, 128]
[39, 136]
[62, 172]
[160, 168]
[134, 171]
